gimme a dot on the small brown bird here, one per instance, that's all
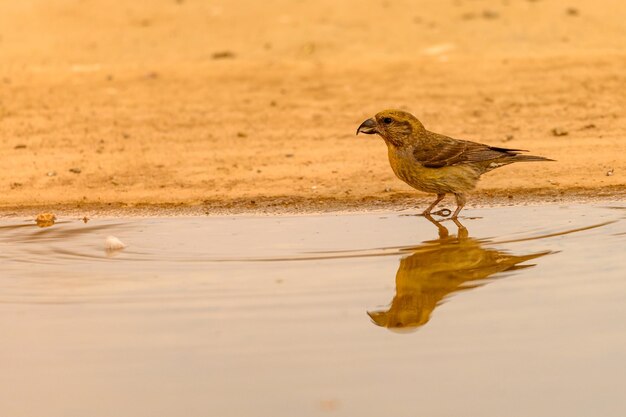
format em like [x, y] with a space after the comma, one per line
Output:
[435, 163]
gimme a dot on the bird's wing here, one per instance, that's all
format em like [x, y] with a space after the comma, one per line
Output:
[438, 151]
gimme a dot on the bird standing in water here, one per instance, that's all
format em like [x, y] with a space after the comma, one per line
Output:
[435, 163]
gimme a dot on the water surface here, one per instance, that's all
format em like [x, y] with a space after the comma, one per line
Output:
[517, 312]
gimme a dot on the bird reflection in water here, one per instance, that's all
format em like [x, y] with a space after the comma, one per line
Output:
[438, 268]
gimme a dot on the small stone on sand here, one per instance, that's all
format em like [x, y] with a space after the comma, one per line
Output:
[112, 244]
[46, 219]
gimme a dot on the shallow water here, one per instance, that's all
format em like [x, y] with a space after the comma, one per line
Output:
[519, 312]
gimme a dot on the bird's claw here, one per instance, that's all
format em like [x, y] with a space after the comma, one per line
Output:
[443, 212]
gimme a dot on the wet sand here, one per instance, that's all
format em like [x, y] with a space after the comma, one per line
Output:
[233, 106]
[516, 308]
[410, 202]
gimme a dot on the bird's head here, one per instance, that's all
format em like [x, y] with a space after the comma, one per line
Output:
[396, 127]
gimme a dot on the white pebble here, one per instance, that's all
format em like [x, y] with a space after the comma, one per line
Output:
[113, 243]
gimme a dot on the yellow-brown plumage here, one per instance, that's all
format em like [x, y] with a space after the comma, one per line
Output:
[436, 163]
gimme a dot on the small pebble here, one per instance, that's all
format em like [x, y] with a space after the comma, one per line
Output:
[76, 170]
[45, 219]
[223, 55]
[609, 173]
[572, 11]
[112, 244]
[558, 131]
[490, 14]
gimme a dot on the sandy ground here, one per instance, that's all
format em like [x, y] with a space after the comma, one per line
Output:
[231, 106]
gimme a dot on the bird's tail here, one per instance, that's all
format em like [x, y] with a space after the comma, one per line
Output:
[530, 158]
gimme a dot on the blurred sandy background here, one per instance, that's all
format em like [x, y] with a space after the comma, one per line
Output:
[245, 104]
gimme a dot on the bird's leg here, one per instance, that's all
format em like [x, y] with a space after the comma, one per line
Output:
[460, 203]
[440, 197]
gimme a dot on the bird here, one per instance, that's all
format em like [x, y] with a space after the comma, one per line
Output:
[435, 163]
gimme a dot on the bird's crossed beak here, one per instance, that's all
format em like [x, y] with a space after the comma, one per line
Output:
[368, 127]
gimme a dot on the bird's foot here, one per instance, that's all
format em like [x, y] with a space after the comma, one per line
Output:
[443, 212]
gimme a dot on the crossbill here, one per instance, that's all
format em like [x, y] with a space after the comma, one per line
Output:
[435, 163]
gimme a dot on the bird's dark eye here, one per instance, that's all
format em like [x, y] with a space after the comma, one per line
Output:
[387, 120]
